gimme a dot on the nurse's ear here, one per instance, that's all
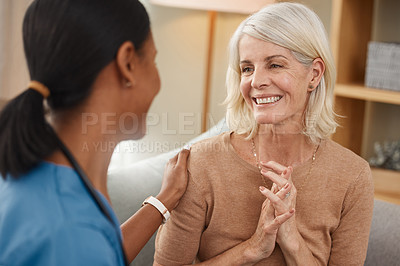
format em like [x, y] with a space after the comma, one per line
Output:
[318, 70]
[126, 63]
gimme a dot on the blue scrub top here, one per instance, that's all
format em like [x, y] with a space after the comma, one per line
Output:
[47, 217]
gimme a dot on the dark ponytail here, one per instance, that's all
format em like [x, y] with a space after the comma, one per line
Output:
[24, 137]
[67, 43]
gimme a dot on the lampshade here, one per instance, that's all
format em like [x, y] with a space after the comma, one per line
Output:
[231, 6]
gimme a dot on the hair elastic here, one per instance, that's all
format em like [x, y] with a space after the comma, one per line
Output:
[39, 87]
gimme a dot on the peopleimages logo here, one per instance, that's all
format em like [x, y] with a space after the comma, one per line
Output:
[168, 124]
[179, 125]
[133, 146]
[176, 124]
[149, 147]
[128, 123]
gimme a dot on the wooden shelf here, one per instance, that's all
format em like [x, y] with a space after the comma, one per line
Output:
[354, 101]
[368, 94]
[387, 185]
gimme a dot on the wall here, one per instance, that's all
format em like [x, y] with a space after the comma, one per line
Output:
[13, 70]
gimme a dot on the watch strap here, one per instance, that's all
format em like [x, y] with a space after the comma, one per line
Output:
[159, 206]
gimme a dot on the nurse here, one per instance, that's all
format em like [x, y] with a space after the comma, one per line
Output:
[93, 72]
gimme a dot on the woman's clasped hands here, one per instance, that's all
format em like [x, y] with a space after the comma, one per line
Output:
[275, 224]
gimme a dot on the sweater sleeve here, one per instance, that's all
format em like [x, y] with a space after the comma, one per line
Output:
[350, 239]
[177, 241]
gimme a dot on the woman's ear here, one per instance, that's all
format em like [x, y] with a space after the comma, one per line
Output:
[318, 70]
[125, 62]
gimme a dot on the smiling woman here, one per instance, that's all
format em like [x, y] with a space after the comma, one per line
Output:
[274, 83]
[305, 42]
[279, 191]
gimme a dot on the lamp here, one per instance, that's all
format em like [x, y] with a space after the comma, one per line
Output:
[214, 6]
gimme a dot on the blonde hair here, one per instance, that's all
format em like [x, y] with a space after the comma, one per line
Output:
[299, 29]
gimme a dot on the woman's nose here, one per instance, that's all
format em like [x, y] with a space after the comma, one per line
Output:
[260, 78]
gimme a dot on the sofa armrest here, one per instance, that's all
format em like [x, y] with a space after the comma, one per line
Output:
[383, 246]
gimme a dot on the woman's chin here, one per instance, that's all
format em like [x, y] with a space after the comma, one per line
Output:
[266, 120]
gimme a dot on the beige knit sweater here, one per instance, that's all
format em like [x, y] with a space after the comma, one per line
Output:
[222, 204]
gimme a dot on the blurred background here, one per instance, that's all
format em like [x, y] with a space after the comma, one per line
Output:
[181, 36]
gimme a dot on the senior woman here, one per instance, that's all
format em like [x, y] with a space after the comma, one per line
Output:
[280, 109]
[88, 60]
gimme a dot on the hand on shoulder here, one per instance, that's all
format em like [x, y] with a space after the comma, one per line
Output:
[175, 180]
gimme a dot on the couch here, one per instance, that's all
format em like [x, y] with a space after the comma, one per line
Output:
[129, 185]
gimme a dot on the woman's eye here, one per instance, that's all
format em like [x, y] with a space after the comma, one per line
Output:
[247, 70]
[275, 66]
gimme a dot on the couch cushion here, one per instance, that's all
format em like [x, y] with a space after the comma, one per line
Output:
[383, 246]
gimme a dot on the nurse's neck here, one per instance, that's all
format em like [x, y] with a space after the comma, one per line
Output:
[87, 142]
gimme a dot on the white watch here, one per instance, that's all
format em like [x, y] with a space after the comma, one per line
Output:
[159, 206]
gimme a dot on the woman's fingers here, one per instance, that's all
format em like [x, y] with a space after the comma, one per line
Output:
[278, 173]
[284, 191]
[280, 219]
[287, 174]
[277, 179]
[274, 188]
[275, 199]
[272, 222]
[278, 168]
[264, 239]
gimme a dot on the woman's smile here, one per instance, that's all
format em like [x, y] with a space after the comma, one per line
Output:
[266, 100]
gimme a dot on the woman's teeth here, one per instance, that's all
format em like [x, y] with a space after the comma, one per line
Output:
[268, 100]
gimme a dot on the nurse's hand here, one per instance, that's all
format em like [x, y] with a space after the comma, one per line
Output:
[175, 180]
